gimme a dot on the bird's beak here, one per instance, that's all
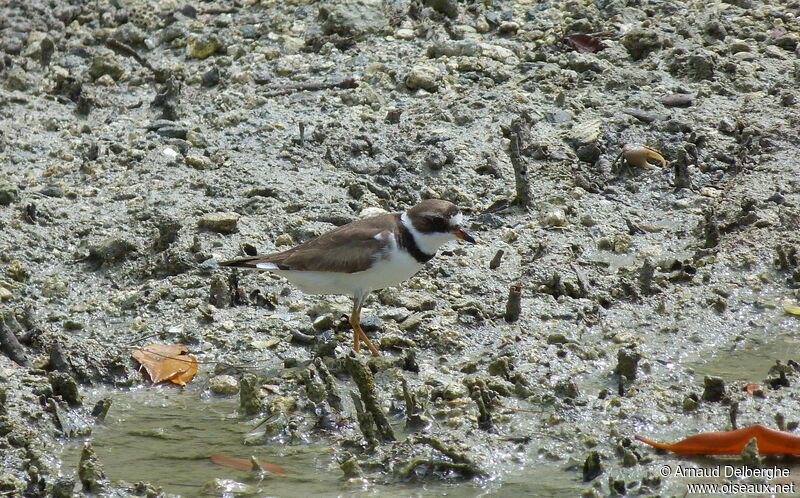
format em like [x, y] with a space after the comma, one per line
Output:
[461, 234]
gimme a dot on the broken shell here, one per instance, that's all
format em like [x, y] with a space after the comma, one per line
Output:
[638, 155]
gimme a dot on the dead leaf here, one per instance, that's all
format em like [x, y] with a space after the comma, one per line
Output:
[792, 309]
[770, 442]
[587, 44]
[167, 362]
[246, 465]
[751, 388]
[640, 156]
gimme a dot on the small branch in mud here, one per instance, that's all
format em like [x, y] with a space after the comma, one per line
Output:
[251, 399]
[58, 359]
[686, 157]
[313, 86]
[454, 454]
[9, 328]
[733, 413]
[218, 10]
[480, 395]
[514, 303]
[496, 260]
[414, 417]
[583, 282]
[330, 384]
[302, 338]
[124, 49]
[365, 381]
[462, 462]
[167, 98]
[646, 275]
[521, 180]
[710, 229]
[365, 420]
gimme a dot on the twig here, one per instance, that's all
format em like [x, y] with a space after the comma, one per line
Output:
[365, 381]
[413, 407]
[130, 52]
[480, 395]
[303, 338]
[449, 451]
[140, 339]
[495, 262]
[311, 87]
[523, 197]
[9, 327]
[514, 305]
[167, 98]
[219, 10]
[583, 282]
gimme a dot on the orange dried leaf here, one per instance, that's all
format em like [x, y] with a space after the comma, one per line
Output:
[770, 442]
[167, 362]
[181, 378]
[245, 465]
[751, 387]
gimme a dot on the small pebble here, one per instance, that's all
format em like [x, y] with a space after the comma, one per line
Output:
[201, 46]
[424, 77]
[223, 384]
[284, 239]
[555, 218]
[198, 162]
[225, 222]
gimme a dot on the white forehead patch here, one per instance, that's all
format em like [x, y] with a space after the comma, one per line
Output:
[456, 220]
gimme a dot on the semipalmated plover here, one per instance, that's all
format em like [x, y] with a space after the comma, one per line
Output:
[365, 255]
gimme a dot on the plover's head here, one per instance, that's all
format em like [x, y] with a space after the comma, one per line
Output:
[434, 222]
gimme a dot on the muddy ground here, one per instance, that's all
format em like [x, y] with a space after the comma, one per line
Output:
[142, 141]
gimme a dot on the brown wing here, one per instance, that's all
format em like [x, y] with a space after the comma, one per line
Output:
[348, 249]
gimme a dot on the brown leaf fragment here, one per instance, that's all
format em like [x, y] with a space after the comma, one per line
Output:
[167, 362]
[246, 465]
[586, 44]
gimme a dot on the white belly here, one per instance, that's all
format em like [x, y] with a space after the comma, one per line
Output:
[399, 267]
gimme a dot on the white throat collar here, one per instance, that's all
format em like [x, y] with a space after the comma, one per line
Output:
[428, 243]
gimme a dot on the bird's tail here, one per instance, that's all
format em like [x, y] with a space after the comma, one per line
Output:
[254, 262]
[246, 262]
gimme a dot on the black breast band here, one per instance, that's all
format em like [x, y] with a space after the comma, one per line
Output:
[406, 240]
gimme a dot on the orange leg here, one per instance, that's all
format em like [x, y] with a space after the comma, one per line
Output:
[356, 337]
[358, 334]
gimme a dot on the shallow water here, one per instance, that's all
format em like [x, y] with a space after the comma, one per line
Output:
[752, 362]
[165, 435]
